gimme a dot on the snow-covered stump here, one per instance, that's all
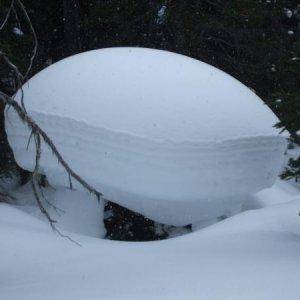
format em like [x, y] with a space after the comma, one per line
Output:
[167, 136]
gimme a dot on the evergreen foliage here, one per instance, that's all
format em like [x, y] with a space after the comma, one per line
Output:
[293, 169]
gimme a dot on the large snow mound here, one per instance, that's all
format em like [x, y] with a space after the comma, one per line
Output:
[254, 255]
[160, 133]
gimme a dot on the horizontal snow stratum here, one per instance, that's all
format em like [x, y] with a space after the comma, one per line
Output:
[160, 133]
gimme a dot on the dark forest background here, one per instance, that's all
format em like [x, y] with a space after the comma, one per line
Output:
[255, 41]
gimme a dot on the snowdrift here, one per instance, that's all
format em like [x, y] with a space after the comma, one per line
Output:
[253, 255]
[159, 133]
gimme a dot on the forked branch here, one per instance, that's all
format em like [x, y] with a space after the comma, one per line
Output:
[37, 132]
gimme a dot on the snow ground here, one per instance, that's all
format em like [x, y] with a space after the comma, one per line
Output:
[253, 255]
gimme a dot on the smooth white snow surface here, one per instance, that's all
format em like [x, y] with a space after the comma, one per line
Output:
[160, 133]
[153, 94]
[253, 255]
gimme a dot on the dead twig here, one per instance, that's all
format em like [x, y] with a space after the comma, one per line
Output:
[7, 14]
[37, 133]
[36, 130]
[35, 41]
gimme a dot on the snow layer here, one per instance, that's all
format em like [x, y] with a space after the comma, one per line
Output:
[160, 133]
[254, 255]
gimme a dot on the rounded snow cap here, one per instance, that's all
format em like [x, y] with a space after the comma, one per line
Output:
[160, 133]
[150, 93]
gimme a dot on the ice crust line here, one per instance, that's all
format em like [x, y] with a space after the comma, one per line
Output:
[126, 136]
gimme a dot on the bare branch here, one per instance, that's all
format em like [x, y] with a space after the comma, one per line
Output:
[56, 209]
[19, 78]
[37, 130]
[17, 18]
[67, 237]
[35, 41]
[19, 75]
[40, 204]
[7, 14]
